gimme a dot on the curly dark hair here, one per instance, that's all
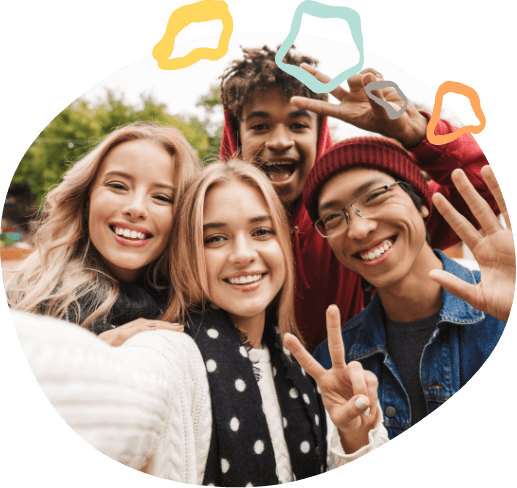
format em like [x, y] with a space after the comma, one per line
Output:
[259, 71]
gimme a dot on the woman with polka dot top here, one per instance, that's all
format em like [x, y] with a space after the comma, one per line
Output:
[236, 401]
[233, 275]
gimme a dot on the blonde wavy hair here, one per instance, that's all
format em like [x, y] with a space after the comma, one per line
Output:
[65, 266]
[189, 282]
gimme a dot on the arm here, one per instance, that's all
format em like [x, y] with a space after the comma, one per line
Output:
[138, 403]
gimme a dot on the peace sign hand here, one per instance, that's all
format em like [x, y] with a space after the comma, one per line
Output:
[494, 252]
[358, 109]
[349, 393]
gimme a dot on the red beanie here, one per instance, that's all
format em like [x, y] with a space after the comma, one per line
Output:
[369, 152]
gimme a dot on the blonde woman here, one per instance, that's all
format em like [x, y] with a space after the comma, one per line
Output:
[226, 404]
[100, 257]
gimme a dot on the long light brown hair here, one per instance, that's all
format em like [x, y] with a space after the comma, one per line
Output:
[189, 282]
[65, 266]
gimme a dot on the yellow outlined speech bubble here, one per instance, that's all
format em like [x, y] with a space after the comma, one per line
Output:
[202, 11]
[475, 103]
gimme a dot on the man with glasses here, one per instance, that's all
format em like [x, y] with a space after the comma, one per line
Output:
[422, 342]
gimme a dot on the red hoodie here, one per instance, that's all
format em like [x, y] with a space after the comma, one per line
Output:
[321, 280]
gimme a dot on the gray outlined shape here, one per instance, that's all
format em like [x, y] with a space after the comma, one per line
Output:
[375, 85]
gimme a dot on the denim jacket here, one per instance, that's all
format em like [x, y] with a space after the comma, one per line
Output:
[462, 341]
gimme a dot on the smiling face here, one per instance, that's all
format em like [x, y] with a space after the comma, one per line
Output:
[382, 249]
[244, 261]
[281, 139]
[131, 207]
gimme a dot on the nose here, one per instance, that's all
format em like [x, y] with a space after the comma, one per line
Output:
[359, 227]
[280, 139]
[136, 206]
[243, 252]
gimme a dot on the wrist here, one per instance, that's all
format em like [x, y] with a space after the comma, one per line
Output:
[416, 132]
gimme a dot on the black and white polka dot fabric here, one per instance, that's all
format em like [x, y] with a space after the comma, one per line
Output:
[241, 452]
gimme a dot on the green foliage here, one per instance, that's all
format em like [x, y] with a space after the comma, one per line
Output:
[210, 102]
[78, 128]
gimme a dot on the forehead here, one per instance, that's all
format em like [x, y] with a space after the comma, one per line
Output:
[344, 187]
[233, 201]
[139, 158]
[272, 101]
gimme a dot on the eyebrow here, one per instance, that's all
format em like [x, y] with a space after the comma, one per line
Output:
[217, 225]
[132, 178]
[264, 115]
[356, 193]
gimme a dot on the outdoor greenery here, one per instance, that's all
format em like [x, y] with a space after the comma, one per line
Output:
[78, 128]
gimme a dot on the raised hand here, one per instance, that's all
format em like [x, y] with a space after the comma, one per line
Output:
[494, 252]
[358, 109]
[349, 393]
[117, 337]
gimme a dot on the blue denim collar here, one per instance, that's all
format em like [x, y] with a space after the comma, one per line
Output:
[371, 338]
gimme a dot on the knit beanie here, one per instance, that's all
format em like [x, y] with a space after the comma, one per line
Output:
[368, 152]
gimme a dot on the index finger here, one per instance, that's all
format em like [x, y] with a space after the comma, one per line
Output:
[306, 361]
[338, 92]
[335, 339]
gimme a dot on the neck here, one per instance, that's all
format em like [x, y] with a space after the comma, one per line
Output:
[252, 327]
[416, 296]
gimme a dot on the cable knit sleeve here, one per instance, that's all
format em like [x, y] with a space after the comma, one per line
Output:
[145, 404]
[336, 455]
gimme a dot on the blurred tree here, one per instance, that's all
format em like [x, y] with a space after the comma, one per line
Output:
[80, 126]
[213, 121]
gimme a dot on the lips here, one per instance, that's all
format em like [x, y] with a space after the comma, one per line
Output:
[248, 278]
[375, 252]
[133, 233]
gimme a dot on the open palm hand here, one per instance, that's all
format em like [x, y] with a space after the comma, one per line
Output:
[494, 252]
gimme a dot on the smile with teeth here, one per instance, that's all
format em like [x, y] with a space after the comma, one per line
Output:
[245, 280]
[377, 251]
[130, 234]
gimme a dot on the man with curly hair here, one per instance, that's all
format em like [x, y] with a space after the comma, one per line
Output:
[279, 124]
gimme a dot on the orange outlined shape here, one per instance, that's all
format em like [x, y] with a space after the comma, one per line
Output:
[475, 103]
[202, 11]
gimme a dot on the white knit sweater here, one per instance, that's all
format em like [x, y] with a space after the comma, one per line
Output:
[145, 404]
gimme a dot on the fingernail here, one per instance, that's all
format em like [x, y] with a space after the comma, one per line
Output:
[366, 412]
[360, 403]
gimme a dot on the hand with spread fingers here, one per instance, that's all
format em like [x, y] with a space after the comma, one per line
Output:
[358, 109]
[117, 337]
[349, 393]
[494, 252]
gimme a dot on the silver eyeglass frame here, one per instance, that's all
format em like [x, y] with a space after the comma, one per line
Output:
[351, 205]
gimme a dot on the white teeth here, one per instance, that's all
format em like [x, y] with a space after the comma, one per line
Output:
[377, 253]
[132, 234]
[241, 280]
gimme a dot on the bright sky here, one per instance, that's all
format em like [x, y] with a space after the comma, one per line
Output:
[181, 89]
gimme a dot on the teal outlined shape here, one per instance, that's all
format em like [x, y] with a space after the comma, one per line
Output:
[321, 11]
[375, 85]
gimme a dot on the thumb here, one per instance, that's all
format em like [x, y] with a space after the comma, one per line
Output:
[378, 110]
[455, 285]
[357, 405]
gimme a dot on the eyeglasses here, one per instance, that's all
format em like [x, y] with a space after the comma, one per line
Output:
[366, 206]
